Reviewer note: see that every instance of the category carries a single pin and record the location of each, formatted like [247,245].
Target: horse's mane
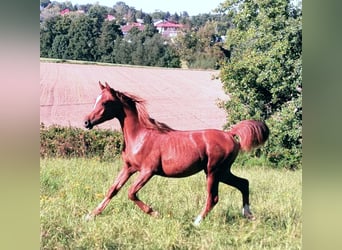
[136,103]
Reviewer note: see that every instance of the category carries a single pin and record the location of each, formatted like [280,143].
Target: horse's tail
[250,133]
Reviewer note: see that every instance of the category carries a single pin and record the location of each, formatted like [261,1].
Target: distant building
[167,28]
[126,28]
[110,17]
[139,20]
[65,11]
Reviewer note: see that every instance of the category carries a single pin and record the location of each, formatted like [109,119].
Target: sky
[193,7]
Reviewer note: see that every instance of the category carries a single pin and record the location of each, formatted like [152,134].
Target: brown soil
[183,99]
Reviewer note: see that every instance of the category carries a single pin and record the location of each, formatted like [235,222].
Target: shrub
[264,74]
[58,141]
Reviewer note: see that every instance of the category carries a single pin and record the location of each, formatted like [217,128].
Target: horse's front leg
[122,178]
[141,180]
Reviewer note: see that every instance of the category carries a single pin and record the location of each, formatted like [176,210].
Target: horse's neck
[130,126]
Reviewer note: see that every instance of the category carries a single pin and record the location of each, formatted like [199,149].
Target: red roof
[167,24]
[110,17]
[65,11]
[126,28]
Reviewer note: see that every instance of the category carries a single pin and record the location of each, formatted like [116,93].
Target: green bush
[202,61]
[58,141]
[264,74]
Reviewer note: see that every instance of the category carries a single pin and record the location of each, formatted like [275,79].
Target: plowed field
[183,99]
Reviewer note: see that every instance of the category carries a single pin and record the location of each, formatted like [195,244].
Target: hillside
[183,99]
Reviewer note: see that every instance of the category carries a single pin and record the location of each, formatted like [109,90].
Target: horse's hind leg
[141,180]
[212,198]
[114,189]
[242,185]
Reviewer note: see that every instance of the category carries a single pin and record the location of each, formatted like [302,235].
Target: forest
[96,33]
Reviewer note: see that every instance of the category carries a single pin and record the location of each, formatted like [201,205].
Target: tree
[110,32]
[148,20]
[65,5]
[98,13]
[150,30]
[122,51]
[44,3]
[47,36]
[196,47]
[263,77]
[82,40]
[120,10]
[187,44]
[59,47]
[156,51]
[174,18]
[170,57]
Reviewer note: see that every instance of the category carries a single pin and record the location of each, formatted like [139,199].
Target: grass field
[71,188]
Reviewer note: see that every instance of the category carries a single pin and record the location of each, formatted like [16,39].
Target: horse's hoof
[154,214]
[250,217]
[198,221]
[89,217]
[246,212]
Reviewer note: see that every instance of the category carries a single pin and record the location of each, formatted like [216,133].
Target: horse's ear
[107,86]
[101,86]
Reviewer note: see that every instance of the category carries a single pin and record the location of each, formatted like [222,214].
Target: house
[126,28]
[65,11]
[110,17]
[167,28]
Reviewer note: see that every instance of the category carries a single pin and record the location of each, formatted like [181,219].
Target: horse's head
[106,107]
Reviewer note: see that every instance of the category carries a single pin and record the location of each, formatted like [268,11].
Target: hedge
[59,141]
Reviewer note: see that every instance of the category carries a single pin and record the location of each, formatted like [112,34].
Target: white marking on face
[97,100]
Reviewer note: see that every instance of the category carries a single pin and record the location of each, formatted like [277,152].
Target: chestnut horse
[153,148]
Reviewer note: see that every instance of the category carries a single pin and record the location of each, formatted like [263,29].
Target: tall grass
[70,188]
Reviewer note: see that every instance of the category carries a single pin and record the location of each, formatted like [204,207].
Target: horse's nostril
[86,123]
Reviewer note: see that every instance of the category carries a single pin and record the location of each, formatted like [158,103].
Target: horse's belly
[183,154]
[182,166]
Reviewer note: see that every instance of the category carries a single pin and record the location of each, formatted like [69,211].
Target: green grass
[72,188]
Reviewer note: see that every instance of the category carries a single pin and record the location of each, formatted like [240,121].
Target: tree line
[85,34]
